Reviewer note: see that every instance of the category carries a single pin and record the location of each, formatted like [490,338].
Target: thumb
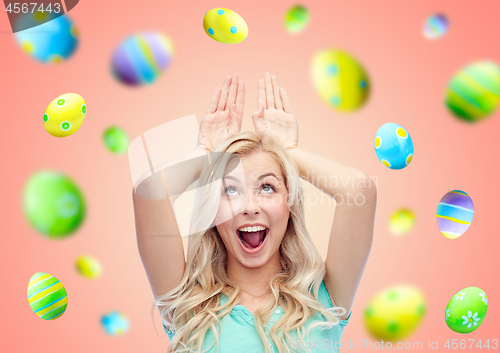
[258,122]
[259,113]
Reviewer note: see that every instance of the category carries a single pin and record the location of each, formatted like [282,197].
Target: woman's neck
[253,280]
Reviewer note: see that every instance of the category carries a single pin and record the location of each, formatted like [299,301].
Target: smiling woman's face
[253,193]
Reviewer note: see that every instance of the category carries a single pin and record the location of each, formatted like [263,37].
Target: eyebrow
[259,178]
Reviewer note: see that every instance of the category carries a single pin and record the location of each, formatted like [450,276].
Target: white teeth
[252,229]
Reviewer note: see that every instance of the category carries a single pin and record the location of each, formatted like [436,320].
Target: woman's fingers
[269,91]
[261,94]
[212,107]
[235,119]
[240,99]
[287,107]
[223,95]
[231,98]
[276,92]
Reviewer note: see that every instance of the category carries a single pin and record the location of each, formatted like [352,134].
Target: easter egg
[47,296]
[116,139]
[435,26]
[53,204]
[296,19]
[49,42]
[225,26]
[393,146]
[64,115]
[454,213]
[340,80]
[140,59]
[474,92]
[115,323]
[466,310]
[88,267]
[395,313]
[402,221]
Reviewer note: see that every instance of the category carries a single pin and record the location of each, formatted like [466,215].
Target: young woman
[253,280]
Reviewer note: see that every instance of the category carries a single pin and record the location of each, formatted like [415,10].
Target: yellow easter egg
[395,313]
[225,26]
[402,221]
[88,267]
[64,115]
[340,80]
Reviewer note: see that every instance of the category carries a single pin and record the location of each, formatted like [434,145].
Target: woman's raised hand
[223,117]
[275,115]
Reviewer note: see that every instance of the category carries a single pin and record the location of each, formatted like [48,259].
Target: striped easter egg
[454,214]
[47,296]
[436,26]
[141,58]
[474,92]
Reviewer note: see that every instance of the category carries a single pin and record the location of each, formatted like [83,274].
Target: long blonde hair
[195,301]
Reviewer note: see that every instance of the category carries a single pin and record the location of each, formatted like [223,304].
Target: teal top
[240,335]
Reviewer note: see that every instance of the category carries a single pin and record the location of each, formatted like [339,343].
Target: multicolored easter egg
[395,313]
[436,26]
[340,80]
[64,115]
[53,204]
[225,26]
[402,221]
[47,296]
[454,213]
[296,19]
[88,267]
[141,58]
[393,146]
[50,42]
[474,92]
[115,323]
[116,139]
[466,310]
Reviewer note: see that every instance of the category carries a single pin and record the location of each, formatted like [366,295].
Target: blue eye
[229,188]
[269,187]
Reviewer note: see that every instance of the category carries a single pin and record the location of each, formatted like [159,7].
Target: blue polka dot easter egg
[225,26]
[393,146]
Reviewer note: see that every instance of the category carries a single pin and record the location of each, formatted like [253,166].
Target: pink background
[409,76]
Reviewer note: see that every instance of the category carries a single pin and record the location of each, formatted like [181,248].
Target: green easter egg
[296,19]
[474,92]
[47,296]
[116,140]
[53,204]
[466,310]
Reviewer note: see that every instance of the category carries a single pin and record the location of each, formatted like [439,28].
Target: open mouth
[252,240]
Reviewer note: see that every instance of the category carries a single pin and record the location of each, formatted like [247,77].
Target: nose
[253,205]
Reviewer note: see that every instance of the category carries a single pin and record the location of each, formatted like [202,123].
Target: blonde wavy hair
[193,306]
